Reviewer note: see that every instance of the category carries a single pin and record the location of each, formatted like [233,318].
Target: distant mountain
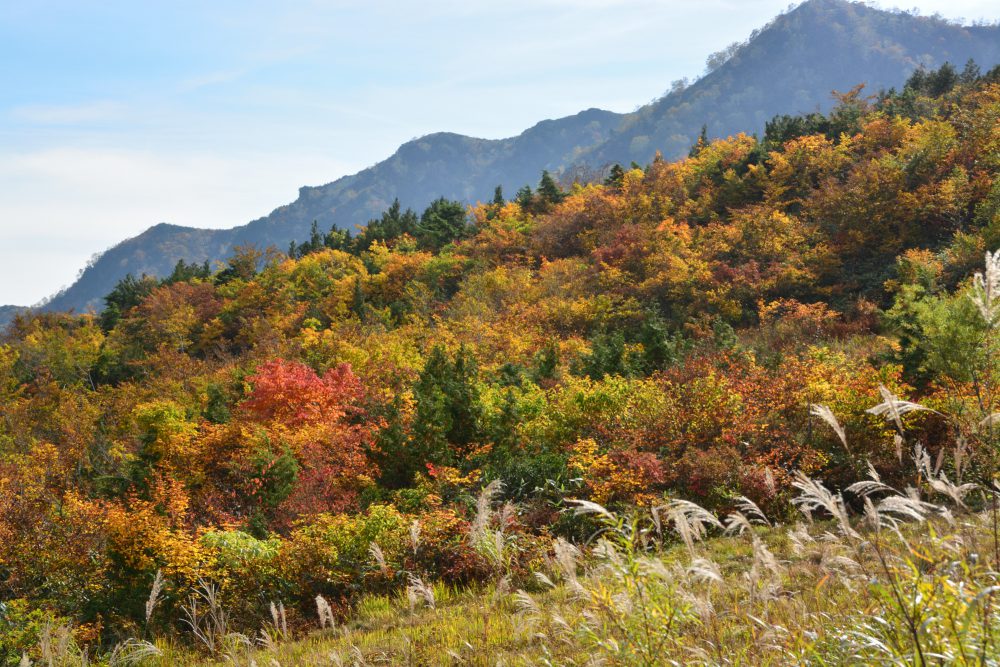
[790,66]
[443,164]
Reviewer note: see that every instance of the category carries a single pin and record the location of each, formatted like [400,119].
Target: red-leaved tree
[321,421]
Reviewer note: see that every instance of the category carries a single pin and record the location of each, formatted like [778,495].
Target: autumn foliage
[659,335]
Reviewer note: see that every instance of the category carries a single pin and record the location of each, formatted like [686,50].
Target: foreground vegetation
[911,581]
[410,434]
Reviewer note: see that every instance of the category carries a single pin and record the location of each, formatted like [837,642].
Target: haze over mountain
[790,66]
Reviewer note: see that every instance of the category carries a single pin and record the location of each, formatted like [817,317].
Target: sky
[118,115]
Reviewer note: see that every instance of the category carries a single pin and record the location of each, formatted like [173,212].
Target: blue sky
[115,116]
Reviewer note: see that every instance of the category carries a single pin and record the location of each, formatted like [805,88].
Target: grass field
[910,582]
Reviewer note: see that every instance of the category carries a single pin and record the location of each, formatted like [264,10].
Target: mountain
[442,164]
[789,66]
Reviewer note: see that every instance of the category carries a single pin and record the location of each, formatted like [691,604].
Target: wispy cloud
[69,114]
[208,79]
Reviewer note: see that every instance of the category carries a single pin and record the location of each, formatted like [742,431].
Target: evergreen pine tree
[315,237]
[127,293]
[661,347]
[524,198]
[338,239]
[548,190]
[448,410]
[442,222]
[971,73]
[546,362]
[615,177]
[358,298]
[702,142]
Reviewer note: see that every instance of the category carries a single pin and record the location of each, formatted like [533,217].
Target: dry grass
[908,582]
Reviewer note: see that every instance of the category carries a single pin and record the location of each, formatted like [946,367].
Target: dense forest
[322,420]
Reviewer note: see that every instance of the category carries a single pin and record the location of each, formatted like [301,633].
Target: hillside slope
[398,419]
[786,67]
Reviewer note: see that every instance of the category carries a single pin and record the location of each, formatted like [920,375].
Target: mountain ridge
[351,199]
[756,82]
[861,59]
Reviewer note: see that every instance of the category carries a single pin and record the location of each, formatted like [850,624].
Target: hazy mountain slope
[7,314]
[442,164]
[154,252]
[791,66]
[788,67]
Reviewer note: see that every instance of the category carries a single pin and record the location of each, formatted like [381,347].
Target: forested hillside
[320,422]
[788,67]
